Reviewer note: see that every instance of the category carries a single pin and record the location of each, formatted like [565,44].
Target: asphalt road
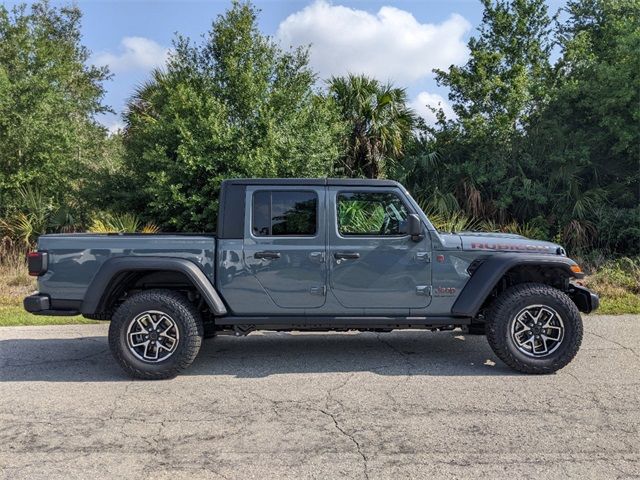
[328,406]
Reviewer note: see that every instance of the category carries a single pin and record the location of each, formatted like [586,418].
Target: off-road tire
[186,318]
[209,329]
[503,311]
[476,329]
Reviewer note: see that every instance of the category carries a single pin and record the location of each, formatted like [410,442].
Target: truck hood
[501,242]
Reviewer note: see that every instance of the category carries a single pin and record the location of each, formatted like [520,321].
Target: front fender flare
[103,282]
[487,276]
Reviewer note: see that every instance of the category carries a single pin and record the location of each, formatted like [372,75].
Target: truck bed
[74,259]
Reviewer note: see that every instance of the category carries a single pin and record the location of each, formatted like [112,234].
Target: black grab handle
[346,255]
[267,254]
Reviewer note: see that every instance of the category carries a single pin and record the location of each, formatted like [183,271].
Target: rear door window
[284,213]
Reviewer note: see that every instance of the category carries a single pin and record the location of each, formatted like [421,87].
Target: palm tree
[379,123]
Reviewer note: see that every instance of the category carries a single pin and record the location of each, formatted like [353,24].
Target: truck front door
[374,263]
[284,244]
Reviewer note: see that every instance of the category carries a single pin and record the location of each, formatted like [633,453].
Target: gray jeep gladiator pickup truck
[313,254]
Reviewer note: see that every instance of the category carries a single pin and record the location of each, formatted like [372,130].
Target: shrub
[14,281]
[618,284]
[533,229]
[120,223]
[618,230]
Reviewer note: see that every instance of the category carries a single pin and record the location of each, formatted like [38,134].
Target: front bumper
[585,299]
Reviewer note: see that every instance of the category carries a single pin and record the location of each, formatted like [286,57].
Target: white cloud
[114,127]
[419,104]
[390,45]
[135,53]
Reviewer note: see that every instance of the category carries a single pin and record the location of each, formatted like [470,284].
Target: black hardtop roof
[354,182]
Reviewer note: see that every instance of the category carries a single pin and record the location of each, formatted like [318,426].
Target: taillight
[37,263]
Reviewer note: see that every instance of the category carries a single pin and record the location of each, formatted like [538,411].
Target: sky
[400,41]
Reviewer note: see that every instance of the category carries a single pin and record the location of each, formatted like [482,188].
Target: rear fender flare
[104,281]
[487,276]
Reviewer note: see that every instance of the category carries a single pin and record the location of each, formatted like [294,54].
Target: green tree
[556,146]
[379,124]
[49,98]
[495,96]
[589,134]
[234,106]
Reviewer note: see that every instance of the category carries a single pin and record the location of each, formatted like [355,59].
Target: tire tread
[497,319]
[189,317]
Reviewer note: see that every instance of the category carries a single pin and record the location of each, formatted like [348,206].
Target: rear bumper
[585,299]
[41,304]
[36,303]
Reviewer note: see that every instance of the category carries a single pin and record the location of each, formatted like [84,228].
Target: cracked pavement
[407,404]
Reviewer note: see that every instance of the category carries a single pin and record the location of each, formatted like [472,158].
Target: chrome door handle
[317,256]
[267,254]
[423,257]
[346,255]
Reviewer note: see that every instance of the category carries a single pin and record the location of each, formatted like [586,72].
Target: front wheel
[534,328]
[155,334]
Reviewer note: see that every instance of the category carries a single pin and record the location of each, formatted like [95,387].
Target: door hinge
[423,257]
[423,290]
[318,290]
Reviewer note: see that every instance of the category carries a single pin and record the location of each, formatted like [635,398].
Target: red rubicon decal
[511,246]
[445,291]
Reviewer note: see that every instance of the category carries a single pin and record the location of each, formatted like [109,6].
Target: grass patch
[20,280]
[11,316]
[618,284]
[618,305]
[15,284]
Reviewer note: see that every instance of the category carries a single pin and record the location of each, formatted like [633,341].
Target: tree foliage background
[49,99]
[235,105]
[545,140]
[552,147]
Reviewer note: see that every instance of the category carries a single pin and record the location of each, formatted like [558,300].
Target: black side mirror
[415,227]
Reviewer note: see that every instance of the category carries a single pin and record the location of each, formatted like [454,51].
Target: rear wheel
[155,334]
[534,328]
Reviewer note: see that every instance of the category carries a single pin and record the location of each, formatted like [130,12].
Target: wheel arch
[116,270]
[514,268]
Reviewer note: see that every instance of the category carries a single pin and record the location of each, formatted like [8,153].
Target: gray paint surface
[392,276]
[405,405]
[74,259]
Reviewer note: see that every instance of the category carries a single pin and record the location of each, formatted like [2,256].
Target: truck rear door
[285,243]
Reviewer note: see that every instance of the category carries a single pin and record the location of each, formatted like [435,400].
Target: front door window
[370,213]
